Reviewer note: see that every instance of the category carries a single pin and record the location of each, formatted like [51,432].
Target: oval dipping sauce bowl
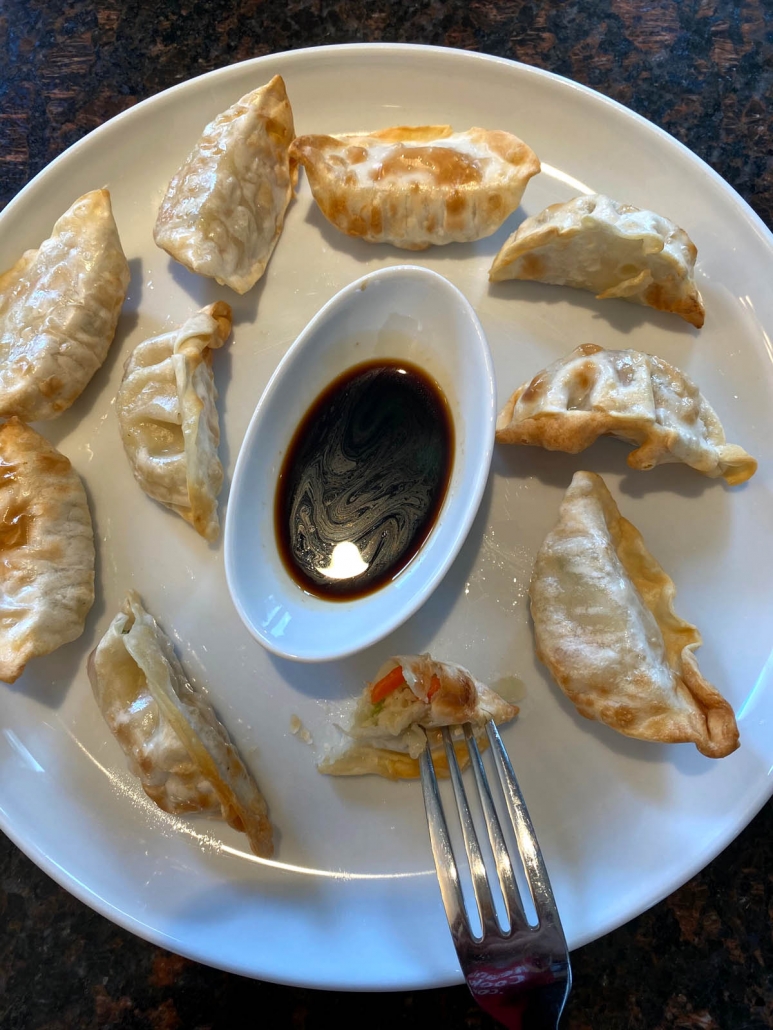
[405,313]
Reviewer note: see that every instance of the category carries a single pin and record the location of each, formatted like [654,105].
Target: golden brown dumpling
[410,700]
[413,186]
[46,549]
[637,397]
[224,209]
[605,626]
[613,249]
[168,418]
[169,732]
[59,306]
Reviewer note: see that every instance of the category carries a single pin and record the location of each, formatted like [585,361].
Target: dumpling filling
[411,699]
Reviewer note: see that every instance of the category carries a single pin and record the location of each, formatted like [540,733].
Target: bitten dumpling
[605,626]
[637,397]
[169,732]
[413,186]
[59,307]
[615,250]
[168,418]
[46,549]
[410,695]
[224,209]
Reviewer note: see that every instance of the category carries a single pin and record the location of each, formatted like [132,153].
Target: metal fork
[519,975]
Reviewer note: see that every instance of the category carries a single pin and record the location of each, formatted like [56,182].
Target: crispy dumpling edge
[680,638]
[555,433]
[24,435]
[201,514]
[541,234]
[330,195]
[40,405]
[276,92]
[252,819]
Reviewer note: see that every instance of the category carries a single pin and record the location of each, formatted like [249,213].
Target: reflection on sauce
[7,471]
[363,479]
[345,562]
[446,167]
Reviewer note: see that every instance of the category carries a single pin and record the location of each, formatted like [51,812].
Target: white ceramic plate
[351,900]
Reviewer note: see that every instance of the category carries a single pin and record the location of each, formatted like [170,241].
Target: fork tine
[531,856]
[445,863]
[520,976]
[480,884]
[504,866]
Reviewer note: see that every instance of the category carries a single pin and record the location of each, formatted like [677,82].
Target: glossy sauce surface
[364,479]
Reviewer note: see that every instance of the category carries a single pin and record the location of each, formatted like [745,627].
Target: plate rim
[472,55]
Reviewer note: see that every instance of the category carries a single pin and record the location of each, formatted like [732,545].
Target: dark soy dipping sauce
[364,479]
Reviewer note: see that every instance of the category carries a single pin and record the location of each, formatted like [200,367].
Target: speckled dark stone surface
[703,70]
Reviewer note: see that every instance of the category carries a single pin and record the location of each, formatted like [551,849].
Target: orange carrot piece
[387,685]
[434,687]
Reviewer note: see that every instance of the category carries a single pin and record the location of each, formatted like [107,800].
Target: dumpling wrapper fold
[224,209]
[605,626]
[46,549]
[387,738]
[59,307]
[168,417]
[413,186]
[637,397]
[169,732]
[612,249]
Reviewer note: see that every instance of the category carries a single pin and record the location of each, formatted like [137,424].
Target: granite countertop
[701,69]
